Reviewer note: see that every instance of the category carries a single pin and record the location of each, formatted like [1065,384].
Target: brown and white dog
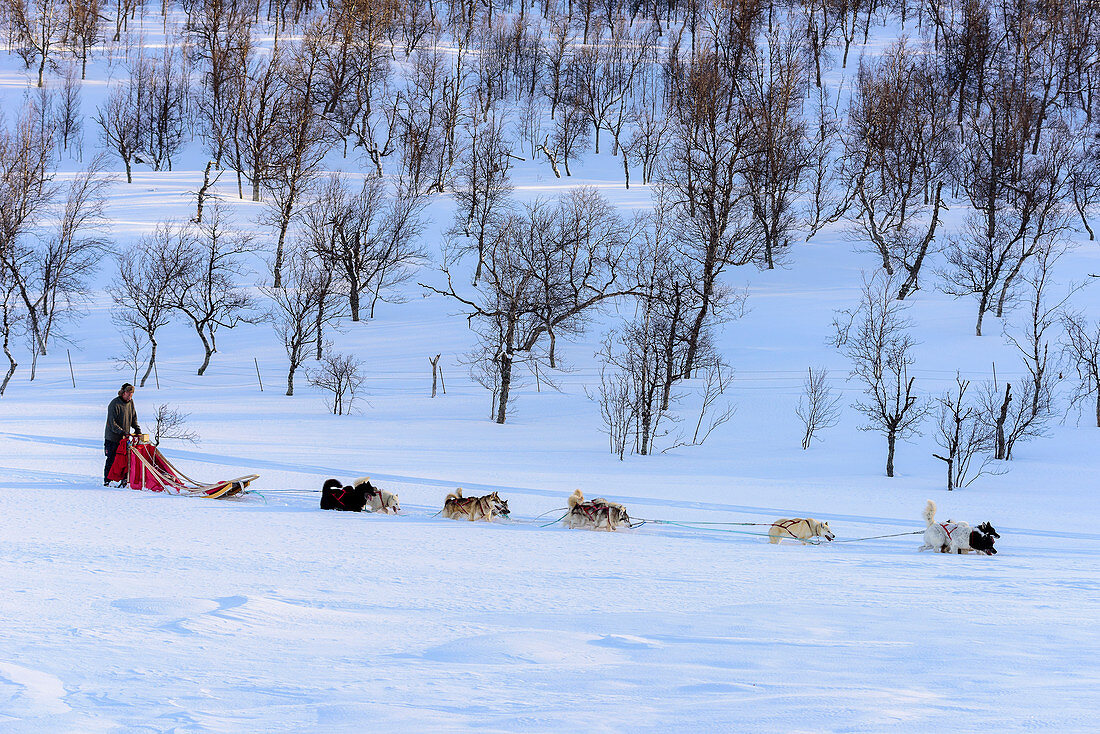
[956,537]
[378,500]
[599,514]
[486,507]
[801,529]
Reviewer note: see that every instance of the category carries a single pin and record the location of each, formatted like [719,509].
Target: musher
[121,418]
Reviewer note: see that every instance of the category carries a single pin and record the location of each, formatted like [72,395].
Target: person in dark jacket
[121,419]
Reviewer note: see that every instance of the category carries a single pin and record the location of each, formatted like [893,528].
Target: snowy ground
[133,612]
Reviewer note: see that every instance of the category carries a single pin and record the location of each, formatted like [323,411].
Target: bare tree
[1020,201]
[295,308]
[26,191]
[123,118]
[818,408]
[66,259]
[647,142]
[70,122]
[618,403]
[302,139]
[168,114]
[482,186]
[778,148]
[897,151]
[130,357]
[1082,347]
[569,139]
[1030,414]
[171,422]
[367,237]
[149,275]
[220,35]
[11,321]
[341,376]
[545,269]
[262,93]
[84,29]
[39,28]
[964,437]
[208,294]
[881,352]
[704,174]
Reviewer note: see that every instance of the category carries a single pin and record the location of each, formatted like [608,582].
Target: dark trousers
[109,448]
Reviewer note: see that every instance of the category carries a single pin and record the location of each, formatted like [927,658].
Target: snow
[129,611]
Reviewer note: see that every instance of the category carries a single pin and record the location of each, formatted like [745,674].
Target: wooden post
[257,363]
[435,371]
[71,373]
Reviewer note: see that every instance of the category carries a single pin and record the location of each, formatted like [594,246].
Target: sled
[142,466]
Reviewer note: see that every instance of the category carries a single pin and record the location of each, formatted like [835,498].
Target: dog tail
[575,499]
[453,496]
[332,484]
[930,512]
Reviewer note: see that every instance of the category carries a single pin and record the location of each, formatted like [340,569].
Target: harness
[785,526]
[948,530]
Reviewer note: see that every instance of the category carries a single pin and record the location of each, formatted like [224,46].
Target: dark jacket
[121,417]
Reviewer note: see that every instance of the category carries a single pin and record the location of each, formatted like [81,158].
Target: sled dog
[337,497]
[457,507]
[378,500]
[800,529]
[598,514]
[956,537]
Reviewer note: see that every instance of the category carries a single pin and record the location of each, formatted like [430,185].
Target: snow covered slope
[127,611]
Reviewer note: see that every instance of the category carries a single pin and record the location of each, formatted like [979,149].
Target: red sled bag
[128,465]
[122,458]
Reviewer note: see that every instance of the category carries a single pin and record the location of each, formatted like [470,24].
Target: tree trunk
[208,351]
[284,224]
[1001,418]
[983,306]
[290,379]
[709,276]
[152,360]
[505,385]
[950,461]
[353,302]
[891,439]
[13,364]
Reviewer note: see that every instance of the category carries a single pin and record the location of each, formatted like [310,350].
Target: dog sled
[142,466]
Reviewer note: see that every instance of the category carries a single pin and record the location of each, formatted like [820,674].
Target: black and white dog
[957,537]
[335,496]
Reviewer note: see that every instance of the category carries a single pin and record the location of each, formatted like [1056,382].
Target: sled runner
[142,466]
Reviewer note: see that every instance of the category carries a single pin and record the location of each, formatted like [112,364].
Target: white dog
[800,529]
[956,537]
[379,500]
